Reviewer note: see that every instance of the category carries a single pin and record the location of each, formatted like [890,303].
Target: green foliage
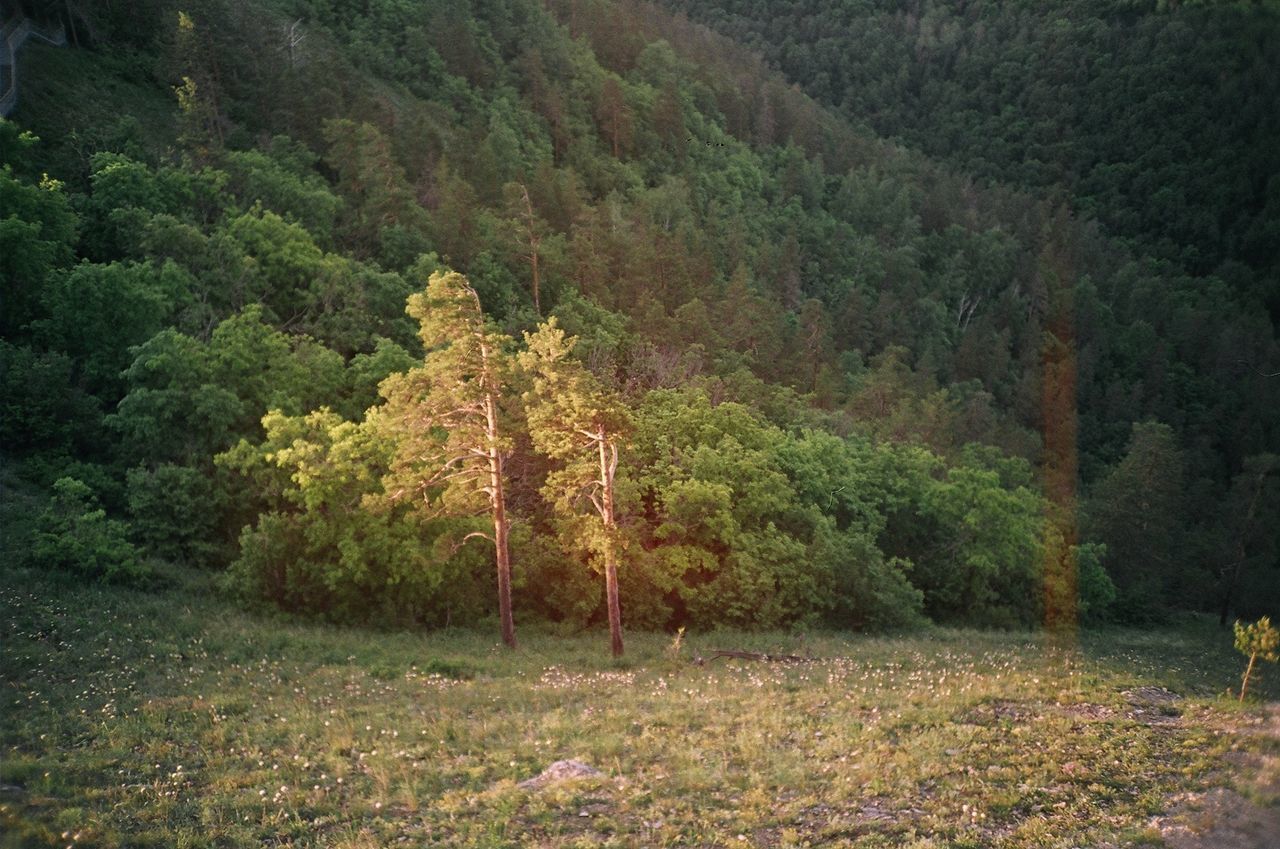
[126,193]
[371,182]
[37,235]
[806,330]
[1259,640]
[187,400]
[1078,95]
[1097,592]
[255,358]
[365,372]
[730,540]
[284,184]
[985,562]
[178,407]
[1137,513]
[582,426]
[74,535]
[174,512]
[43,409]
[96,313]
[316,549]
[16,147]
[442,416]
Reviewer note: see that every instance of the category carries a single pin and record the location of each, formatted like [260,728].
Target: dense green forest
[1157,119]
[668,318]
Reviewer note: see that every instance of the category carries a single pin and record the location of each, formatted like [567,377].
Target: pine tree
[1137,510]
[527,230]
[614,116]
[576,421]
[447,420]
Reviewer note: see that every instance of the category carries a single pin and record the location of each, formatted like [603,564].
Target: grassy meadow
[174,719]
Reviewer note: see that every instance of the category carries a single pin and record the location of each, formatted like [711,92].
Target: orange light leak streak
[1061,461]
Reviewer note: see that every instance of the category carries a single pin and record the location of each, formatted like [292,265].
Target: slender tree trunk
[537,306]
[498,500]
[535,242]
[500,527]
[611,595]
[608,465]
[1244,686]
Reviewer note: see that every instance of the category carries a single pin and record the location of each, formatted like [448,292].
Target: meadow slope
[174,719]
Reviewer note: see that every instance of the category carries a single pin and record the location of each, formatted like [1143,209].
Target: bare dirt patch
[1246,816]
[1087,711]
[1218,819]
[1154,706]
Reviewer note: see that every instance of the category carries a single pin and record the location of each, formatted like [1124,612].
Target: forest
[497,312]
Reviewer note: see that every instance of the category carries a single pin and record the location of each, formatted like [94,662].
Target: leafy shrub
[75,535]
[173,512]
[332,544]
[1097,592]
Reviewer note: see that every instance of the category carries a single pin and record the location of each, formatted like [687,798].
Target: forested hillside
[1157,119]
[844,383]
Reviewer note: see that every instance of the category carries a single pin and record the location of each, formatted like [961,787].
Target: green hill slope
[842,359]
[1158,119]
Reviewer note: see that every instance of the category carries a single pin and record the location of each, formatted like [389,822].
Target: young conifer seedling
[1259,640]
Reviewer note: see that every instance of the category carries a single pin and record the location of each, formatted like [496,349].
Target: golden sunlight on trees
[576,421]
[446,420]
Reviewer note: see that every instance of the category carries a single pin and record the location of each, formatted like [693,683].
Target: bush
[1097,592]
[174,512]
[75,535]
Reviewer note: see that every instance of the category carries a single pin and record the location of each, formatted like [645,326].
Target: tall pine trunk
[537,303]
[611,594]
[498,501]
[608,465]
[502,553]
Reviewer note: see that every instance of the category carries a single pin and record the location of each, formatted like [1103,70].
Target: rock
[561,771]
[1147,696]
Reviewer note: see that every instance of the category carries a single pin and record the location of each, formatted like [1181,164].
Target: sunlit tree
[579,423]
[447,419]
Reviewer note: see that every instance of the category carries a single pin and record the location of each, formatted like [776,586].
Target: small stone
[561,771]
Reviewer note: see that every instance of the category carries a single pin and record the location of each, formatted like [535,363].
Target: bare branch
[461,474]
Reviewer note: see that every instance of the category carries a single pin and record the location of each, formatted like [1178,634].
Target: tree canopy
[817,376]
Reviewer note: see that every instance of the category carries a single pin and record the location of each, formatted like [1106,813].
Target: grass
[172,719]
